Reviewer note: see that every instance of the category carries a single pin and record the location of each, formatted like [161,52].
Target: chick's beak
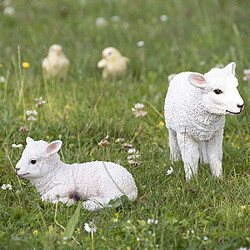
[103,57]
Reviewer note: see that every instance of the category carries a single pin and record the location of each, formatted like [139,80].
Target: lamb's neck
[46,182]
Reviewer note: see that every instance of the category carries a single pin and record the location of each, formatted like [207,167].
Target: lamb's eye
[33,161]
[218,91]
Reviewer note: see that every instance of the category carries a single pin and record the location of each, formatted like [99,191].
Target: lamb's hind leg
[175,154]
[96,203]
[190,154]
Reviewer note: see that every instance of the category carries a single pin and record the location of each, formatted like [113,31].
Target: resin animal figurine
[113,63]
[95,183]
[195,109]
[56,63]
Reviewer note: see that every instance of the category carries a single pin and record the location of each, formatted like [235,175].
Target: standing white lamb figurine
[195,109]
[96,183]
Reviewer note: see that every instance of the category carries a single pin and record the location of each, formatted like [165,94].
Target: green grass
[203,213]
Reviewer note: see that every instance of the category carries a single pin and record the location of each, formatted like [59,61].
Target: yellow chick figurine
[113,63]
[56,63]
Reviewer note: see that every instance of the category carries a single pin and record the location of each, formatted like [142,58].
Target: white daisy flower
[6,186]
[9,11]
[152,221]
[163,18]
[16,145]
[100,22]
[2,79]
[140,44]
[170,171]
[90,227]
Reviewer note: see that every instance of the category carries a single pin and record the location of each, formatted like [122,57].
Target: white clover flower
[115,19]
[152,221]
[134,163]
[247,74]
[40,102]
[139,106]
[120,140]
[9,11]
[202,63]
[170,171]
[31,118]
[100,22]
[6,186]
[2,79]
[171,77]
[246,71]
[90,227]
[16,145]
[133,157]
[127,145]
[219,65]
[140,44]
[140,113]
[163,18]
[137,110]
[132,151]
[31,112]
[205,238]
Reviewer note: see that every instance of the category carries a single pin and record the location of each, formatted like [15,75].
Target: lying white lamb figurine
[195,109]
[96,183]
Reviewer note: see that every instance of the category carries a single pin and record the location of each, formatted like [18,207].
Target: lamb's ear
[29,140]
[230,68]
[198,80]
[53,147]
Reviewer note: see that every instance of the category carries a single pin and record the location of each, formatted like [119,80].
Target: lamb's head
[38,158]
[219,90]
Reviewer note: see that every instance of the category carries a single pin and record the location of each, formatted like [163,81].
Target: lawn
[169,213]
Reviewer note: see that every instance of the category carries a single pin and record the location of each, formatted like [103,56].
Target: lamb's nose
[17,170]
[240,106]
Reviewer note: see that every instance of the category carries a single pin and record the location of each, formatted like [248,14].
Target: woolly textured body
[184,110]
[86,180]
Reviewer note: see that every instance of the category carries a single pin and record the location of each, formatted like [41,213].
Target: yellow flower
[116,214]
[228,136]
[136,133]
[25,65]
[161,124]
[164,164]
[178,188]
[21,117]
[1,65]
[155,143]
[128,248]
[50,228]
[115,220]
[47,137]
[35,232]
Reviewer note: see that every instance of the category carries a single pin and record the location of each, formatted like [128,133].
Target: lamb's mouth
[232,113]
[21,175]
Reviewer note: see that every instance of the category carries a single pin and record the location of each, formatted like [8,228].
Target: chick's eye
[218,91]
[110,53]
[33,161]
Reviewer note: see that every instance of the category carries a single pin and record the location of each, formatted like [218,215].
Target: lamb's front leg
[214,153]
[189,153]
